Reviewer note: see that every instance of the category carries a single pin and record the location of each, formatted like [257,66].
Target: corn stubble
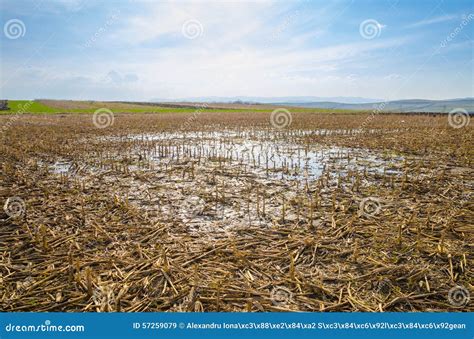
[145,216]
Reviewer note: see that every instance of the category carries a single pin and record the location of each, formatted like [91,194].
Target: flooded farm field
[228,212]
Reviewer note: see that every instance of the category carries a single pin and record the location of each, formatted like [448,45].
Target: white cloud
[253,48]
[221,21]
[238,52]
[392,76]
[431,21]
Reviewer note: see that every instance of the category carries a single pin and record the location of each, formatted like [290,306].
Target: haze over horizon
[140,50]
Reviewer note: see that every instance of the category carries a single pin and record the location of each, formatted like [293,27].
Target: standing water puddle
[215,181]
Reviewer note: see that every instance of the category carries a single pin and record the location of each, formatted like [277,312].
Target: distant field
[26,106]
[69,106]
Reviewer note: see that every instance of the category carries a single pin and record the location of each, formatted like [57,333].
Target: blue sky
[140,50]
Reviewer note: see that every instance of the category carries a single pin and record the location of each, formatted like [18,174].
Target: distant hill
[413,105]
[349,103]
[272,100]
